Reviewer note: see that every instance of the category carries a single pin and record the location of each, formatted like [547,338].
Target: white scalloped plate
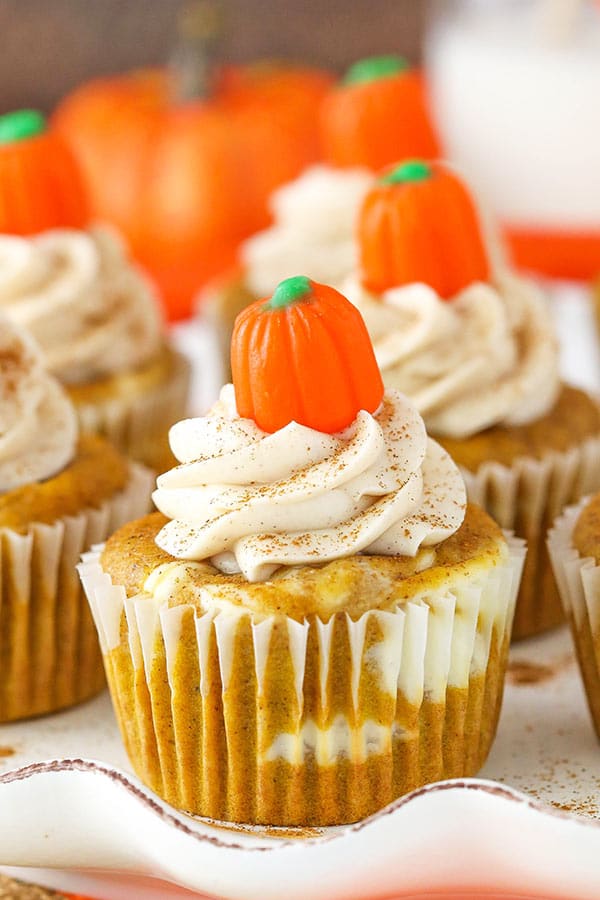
[459,834]
[91,827]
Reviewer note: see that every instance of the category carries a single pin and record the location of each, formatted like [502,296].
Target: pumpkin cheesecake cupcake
[95,315]
[474,348]
[376,114]
[59,494]
[315,622]
[574,545]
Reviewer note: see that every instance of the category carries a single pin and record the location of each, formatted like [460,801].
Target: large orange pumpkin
[303,355]
[418,223]
[376,115]
[186,181]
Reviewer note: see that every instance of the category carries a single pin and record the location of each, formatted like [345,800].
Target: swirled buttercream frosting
[38,426]
[312,232]
[487,357]
[91,311]
[251,502]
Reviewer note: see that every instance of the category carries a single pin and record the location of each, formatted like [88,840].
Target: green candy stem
[409,171]
[21,124]
[375,67]
[289,291]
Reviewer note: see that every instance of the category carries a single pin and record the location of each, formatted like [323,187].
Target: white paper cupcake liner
[49,654]
[578,581]
[138,423]
[216,708]
[525,498]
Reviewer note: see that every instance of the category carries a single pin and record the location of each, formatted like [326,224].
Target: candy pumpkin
[187,179]
[304,356]
[376,115]
[419,224]
[41,186]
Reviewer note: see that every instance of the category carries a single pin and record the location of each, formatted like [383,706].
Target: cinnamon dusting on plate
[523,673]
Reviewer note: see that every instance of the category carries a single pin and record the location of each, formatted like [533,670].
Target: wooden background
[49,46]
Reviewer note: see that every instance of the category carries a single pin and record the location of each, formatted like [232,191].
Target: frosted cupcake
[59,494]
[574,545]
[473,346]
[315,623]
[375,115]
[95,315]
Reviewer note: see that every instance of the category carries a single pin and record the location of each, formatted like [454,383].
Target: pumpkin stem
[20,125]
[374,67]
[410,170]
[289,291]
[191,64]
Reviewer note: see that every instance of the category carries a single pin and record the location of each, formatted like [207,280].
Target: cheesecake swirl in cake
[488,356]
[38,427]
[92,312]
[251,502]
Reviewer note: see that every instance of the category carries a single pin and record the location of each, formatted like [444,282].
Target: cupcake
[375,115]
[473,346]
[94,314]
[59,494]
[574,546]
[315,622]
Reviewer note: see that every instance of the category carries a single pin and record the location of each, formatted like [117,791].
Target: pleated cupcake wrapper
[138,424]
[217,708]
[525,498]
[578,580]
[49,653]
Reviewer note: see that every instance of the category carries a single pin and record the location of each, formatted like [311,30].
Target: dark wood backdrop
[49,46]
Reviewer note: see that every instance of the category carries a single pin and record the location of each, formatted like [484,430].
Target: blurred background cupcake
[94,313]
[60,493]
[574,545]
[473,345]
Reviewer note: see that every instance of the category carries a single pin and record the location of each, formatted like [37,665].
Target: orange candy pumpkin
[187,180]
[378,114]
[40,183]
[304,355]
[419,224]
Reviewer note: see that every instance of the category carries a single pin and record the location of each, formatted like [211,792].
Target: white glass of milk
[515,87]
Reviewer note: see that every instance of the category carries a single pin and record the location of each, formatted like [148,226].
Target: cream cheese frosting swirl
[313,230]
[38,425]
[251,502]
[92,312]
[487,357]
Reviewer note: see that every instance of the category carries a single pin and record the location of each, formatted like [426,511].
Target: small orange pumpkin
[41,186]
[305,356]
[378,114]
[419,224]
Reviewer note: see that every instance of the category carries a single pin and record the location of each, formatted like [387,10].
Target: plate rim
[184,823]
